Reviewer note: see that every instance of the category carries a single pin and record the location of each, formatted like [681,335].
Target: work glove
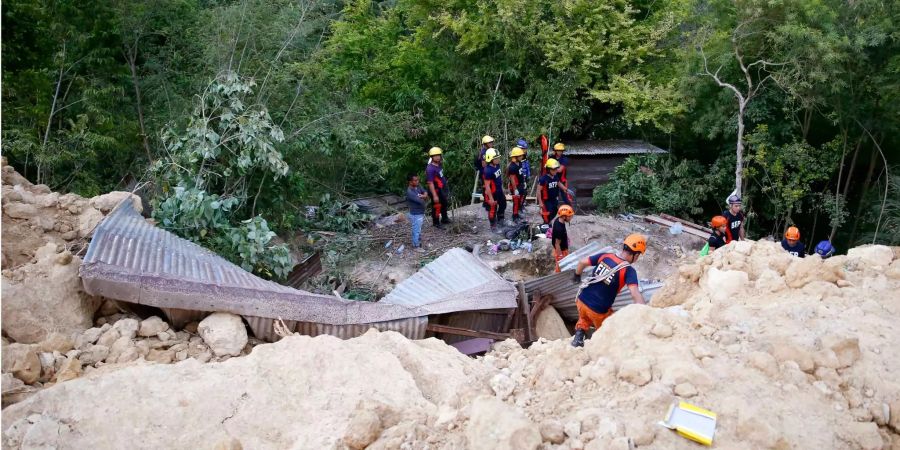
[576,278]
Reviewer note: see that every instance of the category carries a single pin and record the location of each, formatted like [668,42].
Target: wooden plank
[523,304]
[686,223]
[466,332]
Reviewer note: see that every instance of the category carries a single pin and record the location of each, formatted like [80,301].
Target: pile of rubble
[791,353]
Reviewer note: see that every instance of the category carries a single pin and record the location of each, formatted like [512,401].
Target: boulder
[873,255]
[152,326]
[57,342]
[363,429]
[107,202]
[127,327]
[22,361]
[495,425]
[552,431]
[224,333]
[636,371]
[46,296]
[722,285]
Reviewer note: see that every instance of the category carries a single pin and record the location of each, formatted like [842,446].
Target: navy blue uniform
[797,249]
[493,187]
[551,195]
[716,240]
[600,296]
[733,230]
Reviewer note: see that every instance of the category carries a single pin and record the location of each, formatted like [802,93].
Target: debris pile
[790,353]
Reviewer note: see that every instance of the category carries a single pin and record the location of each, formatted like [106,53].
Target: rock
[621,443]
[88,220]
[44,297]
[90,336]
[364,429]
[94,354]
[641,433]
[764,362]
[894,413]
[549,325]
[161,356]
[127,327]
[14,390]
[22,361]
[845,348]
[152,326]
[791,352]
[224,333]
[723,285]
[502,385]
[71,369]
[686,390]
[20,210]
[191,327]
[863,435]
[661,330]
[552,432]
[572,429]
[119,348]
[874,255]
[107,202]
[770,281]
[109,308]
[494,425]
[109,337]
[635,371]
[56,342]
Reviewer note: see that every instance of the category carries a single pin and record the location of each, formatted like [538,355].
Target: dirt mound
[790,353]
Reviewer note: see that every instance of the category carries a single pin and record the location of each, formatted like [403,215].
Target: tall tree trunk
[863,193]
[131,55]
[739,164]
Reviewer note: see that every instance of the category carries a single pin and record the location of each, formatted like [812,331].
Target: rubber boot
[578,340]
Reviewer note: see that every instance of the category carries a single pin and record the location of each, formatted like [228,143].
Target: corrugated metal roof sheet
[130,260]
[611,147]
[592,248]
[457,281]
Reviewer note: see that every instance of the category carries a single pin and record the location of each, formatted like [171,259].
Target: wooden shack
[591,163]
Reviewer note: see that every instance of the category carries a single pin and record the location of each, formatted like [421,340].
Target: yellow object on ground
[691,422]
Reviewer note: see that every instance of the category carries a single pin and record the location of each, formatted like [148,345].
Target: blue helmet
[522,144]
[824,249]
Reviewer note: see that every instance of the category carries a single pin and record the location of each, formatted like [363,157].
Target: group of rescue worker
[729,227]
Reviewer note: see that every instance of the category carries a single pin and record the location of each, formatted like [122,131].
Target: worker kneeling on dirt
[791,242]
[559,235]
[719,236]
[612,272]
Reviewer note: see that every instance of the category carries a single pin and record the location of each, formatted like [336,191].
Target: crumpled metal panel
[412,328]
[457,281]
[592,248]
[564,291]
[130,260]
[611,147]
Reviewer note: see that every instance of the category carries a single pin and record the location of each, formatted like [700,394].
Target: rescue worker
[792,244]
[735,218]
[494,198]
[559,235]
[825,249]
[558,154]
[612,272]
[551,191]
[526,166]
[487,142]
[437,187]
[518,181]
[719,234]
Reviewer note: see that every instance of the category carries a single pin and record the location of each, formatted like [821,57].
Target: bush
[655,182]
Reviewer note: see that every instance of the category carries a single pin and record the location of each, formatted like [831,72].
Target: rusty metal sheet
[130,260]
[304,270]
[456,281]
[611,147]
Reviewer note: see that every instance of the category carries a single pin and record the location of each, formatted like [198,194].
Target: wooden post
[526,310]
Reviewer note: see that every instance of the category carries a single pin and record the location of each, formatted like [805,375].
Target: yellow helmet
[559,146]
[487,140]
[490,155]
[517,151]
[552,164]
[435,151]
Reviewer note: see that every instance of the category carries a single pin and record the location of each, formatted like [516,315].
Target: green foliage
[889,227]
[333,215]
[658,183]
[206,176]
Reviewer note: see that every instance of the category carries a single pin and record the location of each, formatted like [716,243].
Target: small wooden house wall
[585,172]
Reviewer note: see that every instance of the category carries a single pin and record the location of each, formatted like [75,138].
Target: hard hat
[522,143]
[552,164]
[719,221]
[734,199]
[517,151]
[636,243]
[490,155]
[825,249]
[487,140]
[566,211]
[792,233]
[435,151]
[559,146]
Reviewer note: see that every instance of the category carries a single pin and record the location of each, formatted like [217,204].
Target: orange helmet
[719,221]
[636,243]
[792,233]
[566,211]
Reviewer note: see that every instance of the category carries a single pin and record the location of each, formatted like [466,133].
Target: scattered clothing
[797,249]
[733,230]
